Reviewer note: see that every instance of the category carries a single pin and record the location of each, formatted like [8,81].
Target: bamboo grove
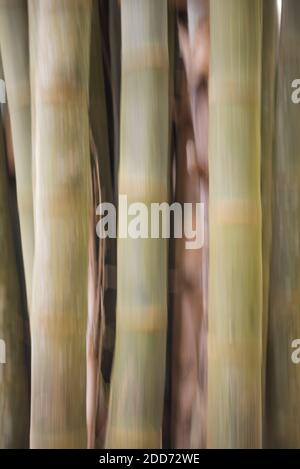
[139,341]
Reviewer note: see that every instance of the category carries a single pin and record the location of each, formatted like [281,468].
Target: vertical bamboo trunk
[99,128]
[33,6]
[115,60]
[14,379]
[62,201]
[269,55]
[101,250]
[198,18]
[172,31]
[137,388]
[194,45]
[15,57]
[283,383]
[188,292]
[235,278]
[98,112]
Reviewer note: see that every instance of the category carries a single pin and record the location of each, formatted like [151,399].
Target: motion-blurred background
[142,343]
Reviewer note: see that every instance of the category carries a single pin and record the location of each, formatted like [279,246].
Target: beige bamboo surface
[62,201]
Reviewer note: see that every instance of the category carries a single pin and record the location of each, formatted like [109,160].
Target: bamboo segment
[15,57]
[188,291]
[269,55]
[62,202]
[235,278]
[115,59]
[137,388]
[14,379]
[33,6]
[283,383]
[99,128]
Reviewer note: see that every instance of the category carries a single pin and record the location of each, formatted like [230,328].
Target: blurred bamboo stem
[137,388]
[14,377]
[115,59]
[62,204]
[235,277]
[269,56]
[15,58]
[102,191]
[33,6]
[197,11]
[283,377]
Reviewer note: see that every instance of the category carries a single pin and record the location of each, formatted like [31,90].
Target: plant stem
[235,277]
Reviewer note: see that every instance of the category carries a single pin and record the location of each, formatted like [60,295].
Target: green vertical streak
[137,388]
[235,277]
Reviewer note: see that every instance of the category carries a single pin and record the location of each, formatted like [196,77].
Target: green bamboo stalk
[283,377]
[15,57]
[115,60]
[14,379]
[62,202]
[235,277]
[137,388]
[269,55]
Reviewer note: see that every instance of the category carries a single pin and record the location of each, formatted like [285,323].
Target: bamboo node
[235,212]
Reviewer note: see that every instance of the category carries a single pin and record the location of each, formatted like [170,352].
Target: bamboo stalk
[99,126]
[194,44]
[269,55]
[115,60]
[96,403]
[188,291]
[14,379]
[283,383]
[235,277]
[62,202]
[98,112]
[198,20]
[137,388]
[33,6]
[15,57]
